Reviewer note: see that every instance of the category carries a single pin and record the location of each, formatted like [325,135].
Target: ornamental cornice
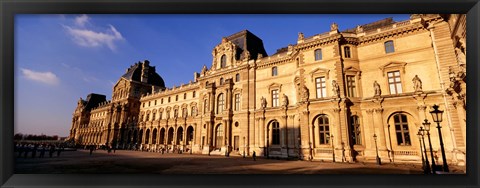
[219,73]
[391,33]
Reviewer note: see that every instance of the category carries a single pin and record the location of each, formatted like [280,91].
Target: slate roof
[135,73]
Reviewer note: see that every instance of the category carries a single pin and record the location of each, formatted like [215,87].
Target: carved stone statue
[247,55]
[264,102]
[305,93]
[259,56]
[377,89]
[285,100]
[204,70]
[460,56]
[334,26]
[359,29]
[335,88]
[300,36]
[417,83]
[452,75]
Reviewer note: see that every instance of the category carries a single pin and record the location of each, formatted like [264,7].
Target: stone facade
[339,95]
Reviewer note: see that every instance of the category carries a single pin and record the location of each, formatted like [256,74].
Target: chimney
[145,67]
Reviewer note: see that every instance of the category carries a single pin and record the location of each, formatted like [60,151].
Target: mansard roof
[134,73]
[246,40]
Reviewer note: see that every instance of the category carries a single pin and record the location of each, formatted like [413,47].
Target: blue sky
[60,58]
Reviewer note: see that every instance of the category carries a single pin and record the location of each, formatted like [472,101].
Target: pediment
[318,72]
[275,86]
[351,69]
[393,65]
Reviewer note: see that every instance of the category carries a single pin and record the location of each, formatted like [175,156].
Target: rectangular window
[389,48]
[274,71]
[318,54]
[346,51]
[394,82]
[351,86]
[193,95]
[274,98]
[153,116]
[237,102]
[148,117]
[321,87]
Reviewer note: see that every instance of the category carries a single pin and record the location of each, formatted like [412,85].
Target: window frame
[351,89]
[223,61]
[320,87]
[395,83]
[275,97]
[318,56]
[275,139]
[220,103]
[347,52]
[237,102]
[323,129]
[275,71]
[389,46]
[402,125]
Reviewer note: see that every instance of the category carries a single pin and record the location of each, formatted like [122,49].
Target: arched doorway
[140,136]
[189,135]
[154,136]
[170,136]
[180,136]
[162,136]
[147,136]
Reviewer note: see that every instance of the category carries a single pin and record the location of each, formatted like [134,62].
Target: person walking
[254,155]
[42,151]
[91,150]
[52,149]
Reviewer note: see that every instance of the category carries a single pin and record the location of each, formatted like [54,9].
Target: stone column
[382,141]
[338,137]
[284,132]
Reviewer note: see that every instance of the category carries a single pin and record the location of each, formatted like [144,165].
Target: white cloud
[44,77]
[88,37]
[81,20]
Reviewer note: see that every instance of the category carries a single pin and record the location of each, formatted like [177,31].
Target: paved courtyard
[122,162]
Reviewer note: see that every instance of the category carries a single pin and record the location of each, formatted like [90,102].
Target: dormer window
[223,61]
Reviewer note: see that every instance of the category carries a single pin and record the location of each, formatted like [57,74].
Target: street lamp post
[426,124]
[379,161]
[427,163]
[424,165]
[437,117]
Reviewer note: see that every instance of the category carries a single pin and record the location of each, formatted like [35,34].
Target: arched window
[153,116]
[274,71]
[275,133]
[184,112]
[389,48]
[355,130]
[219,136]
[401,130]
[223,61]
[323,129]
[346,52]
[318,54]
[220,103]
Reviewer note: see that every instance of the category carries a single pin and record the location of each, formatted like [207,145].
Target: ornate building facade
[345,96]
